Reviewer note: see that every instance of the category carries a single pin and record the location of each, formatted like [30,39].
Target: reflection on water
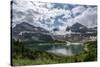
[59,48]
[68,50]
[61,51]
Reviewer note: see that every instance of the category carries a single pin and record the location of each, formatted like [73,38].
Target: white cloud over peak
[88,17]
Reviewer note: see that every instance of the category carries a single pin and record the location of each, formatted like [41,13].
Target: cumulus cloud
[88,17]
[49,16]
[34,12]
[78,10]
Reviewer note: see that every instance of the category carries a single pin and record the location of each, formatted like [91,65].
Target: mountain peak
[28,27]
[77,27]
[78,24]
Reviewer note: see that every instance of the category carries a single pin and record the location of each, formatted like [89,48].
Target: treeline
[22,55]
[53,41]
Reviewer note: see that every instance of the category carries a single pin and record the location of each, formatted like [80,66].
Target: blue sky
[53,15]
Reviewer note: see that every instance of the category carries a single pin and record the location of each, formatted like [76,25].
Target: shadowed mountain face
[27,27]
[27,32]
[78,28]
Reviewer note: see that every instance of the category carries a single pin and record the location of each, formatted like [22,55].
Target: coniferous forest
[23,55]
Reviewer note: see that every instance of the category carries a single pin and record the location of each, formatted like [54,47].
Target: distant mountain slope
[27,27]
[77,27]
[31,33]
[27,32]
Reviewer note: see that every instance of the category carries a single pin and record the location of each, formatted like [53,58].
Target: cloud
[78,10]
[37,13]
[88,17]
[51,15]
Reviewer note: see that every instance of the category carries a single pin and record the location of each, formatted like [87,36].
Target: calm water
[59,48]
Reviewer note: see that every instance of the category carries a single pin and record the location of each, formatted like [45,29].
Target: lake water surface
[59,48]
